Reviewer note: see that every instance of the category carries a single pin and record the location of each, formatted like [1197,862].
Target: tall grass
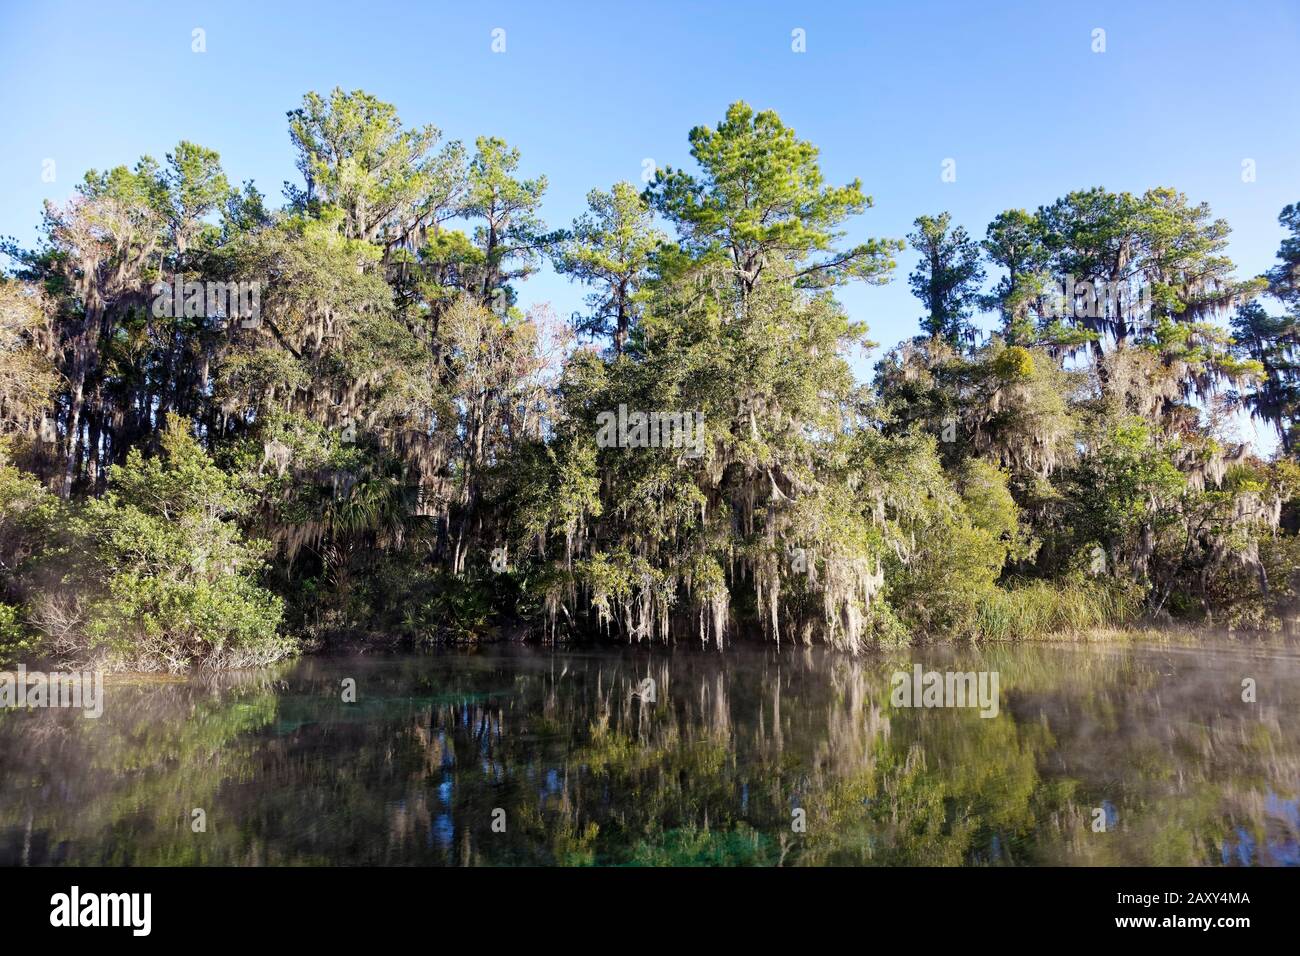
[1037,610]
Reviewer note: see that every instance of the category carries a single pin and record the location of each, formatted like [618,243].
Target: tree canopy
[228,430]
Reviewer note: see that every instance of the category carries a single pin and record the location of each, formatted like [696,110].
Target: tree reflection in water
[590,770]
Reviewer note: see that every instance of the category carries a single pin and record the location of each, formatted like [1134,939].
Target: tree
[1273,342]
[27,374]
[740,344]
[1284,278]
[947,279]
[760,200]
[195,186]
[1093,237]
[100,245]
[610,247]
[354,153]
[424,458]
[508,232]
[1130,261]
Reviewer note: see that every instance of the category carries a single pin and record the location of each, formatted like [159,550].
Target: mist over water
[1099,754]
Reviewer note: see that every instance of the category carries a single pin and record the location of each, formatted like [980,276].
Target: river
[1098,754]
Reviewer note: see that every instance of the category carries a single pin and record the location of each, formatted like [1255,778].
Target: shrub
[959,557]
[176,576]
[16,643]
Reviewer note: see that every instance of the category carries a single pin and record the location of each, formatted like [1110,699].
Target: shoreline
[1180,637]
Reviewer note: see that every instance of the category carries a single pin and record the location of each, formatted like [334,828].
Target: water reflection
[752,757]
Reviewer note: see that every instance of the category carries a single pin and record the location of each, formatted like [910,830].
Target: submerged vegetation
[228,430]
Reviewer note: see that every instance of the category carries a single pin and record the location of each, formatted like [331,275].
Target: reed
[1038,610]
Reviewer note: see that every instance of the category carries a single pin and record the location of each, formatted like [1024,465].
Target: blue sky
[1013,92]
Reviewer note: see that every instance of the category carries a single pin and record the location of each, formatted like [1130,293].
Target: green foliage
[1128,483]
[178,575]
[355,155]
[947,278]
[1014,364]
[452,610]
[29,519]
[17,643]
[760,200]
[509,231]
[27,375]
[345,465]
[1284,278]
[1051,610]
[610,247]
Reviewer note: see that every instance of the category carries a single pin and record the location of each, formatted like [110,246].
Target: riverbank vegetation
[229,430]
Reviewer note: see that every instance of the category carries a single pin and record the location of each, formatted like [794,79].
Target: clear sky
[1013,92]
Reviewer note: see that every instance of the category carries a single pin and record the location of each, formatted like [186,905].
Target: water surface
[1099,755]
